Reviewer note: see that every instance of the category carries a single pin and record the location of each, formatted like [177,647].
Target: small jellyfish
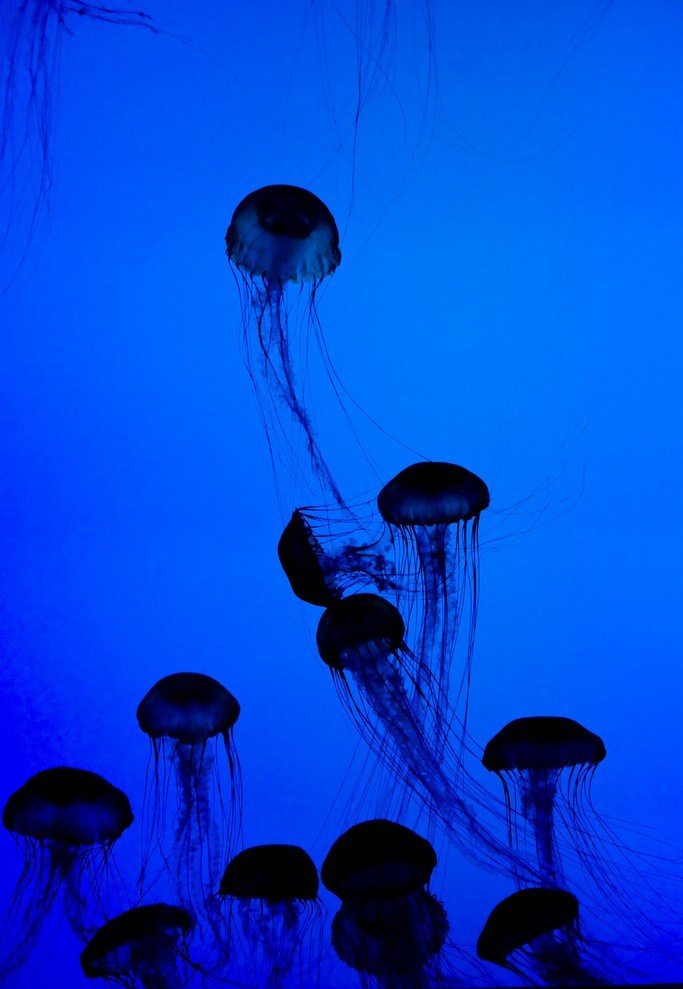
[390,928]
[433,510]
[312,575]
[65,822]
[142,946]
[189,717]
[546,765]
[535,931]
[273,889]
[282,242]
[328,552]
[361,639]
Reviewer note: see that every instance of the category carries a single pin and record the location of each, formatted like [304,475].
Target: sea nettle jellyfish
[274,915]
[546,765]
[329,552]
[535,932]
[282,242]
[189,718]
[145,946]
[390,928]
[379,682]
[65,822]
[433,510]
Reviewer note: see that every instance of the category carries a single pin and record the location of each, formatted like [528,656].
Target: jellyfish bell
[377,859]
[282,233]
[72,806]
[433,493]
[189,718]
[433,511]
[190,708]
[66,822]
[273,890]
[543,743]
[140,946]
[273,872]
[357,627]
[283,238]
[388,926]
[523,917]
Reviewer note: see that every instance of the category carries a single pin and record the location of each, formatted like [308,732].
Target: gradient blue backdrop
[509,299]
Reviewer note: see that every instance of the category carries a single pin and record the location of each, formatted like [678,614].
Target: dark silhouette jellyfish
[31,36]
[273,890]
[311,573]
[433,512]
[379,682]
[65,822]
[352,558]
[281,236]
[547,765]
[390,929]
[141,947]
[189,717]
[534,757]
[535,931]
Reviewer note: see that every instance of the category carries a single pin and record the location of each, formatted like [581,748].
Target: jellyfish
[546,765]
[433,510]
[31,36]
[311,573]
[66,822]
[361,640]
[533,758]
[535,931]
[141,946]
[328,552]
[282,242]
[273,890]
[189,717]
[390,928]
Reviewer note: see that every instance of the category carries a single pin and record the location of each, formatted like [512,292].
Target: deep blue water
[508,299]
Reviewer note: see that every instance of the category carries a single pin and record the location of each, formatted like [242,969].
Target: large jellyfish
[534,757]
[273,890]
[31,32]
[189,717]
[142,946]
[390,928]
[379,682]
[535,931]
[282,242]
[433,511]
[65,821]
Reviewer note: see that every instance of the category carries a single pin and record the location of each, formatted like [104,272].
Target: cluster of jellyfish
[396,583]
